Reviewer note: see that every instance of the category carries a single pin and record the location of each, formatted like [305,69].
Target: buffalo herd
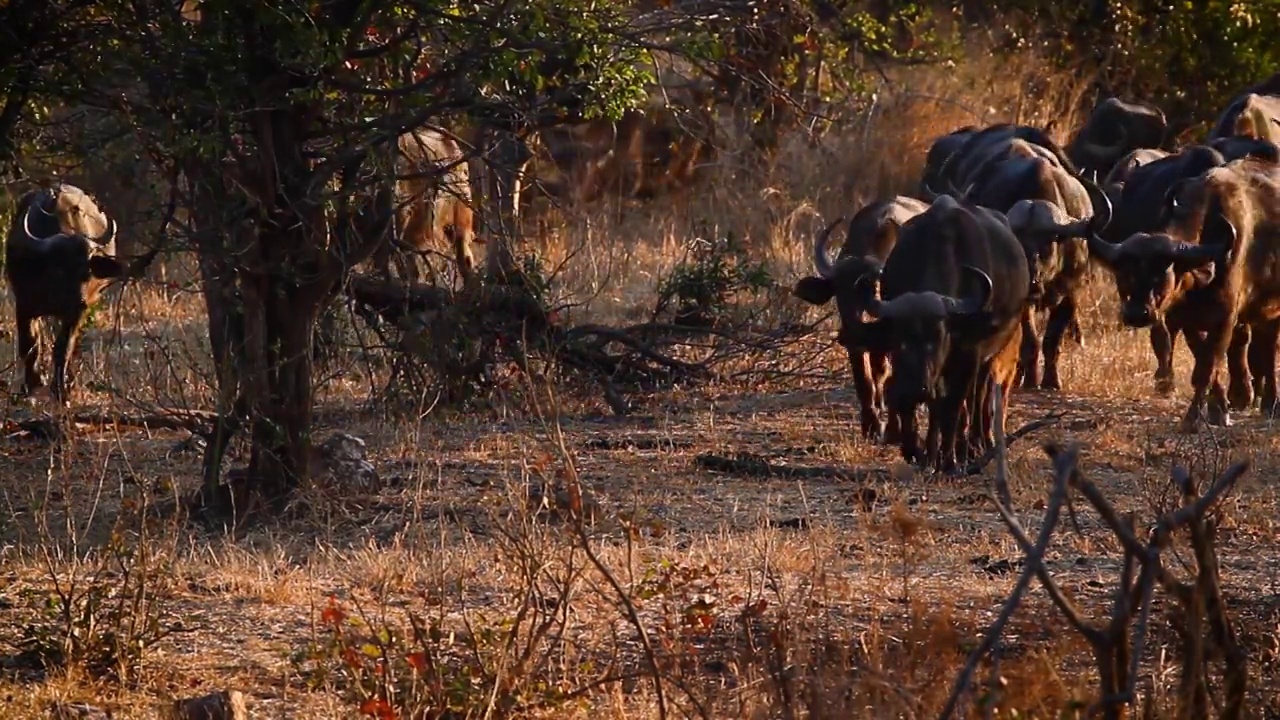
[973,284]
[939,296]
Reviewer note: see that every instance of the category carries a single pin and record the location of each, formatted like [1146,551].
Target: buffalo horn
[1108,252]
[1102,208]
[26,222]
[1101,151]
[821,261]
[1194,252]
[969,306]
[107,235]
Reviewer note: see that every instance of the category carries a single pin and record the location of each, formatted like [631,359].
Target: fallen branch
[46,426]
[756,466]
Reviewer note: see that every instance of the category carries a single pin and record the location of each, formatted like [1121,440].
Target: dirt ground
[871,554]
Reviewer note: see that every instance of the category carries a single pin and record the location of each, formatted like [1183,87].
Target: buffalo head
[73,208]
[839,279]
[918,330]
[1042,227]
[1149,267]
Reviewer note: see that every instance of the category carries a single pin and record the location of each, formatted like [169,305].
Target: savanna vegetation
[616,473]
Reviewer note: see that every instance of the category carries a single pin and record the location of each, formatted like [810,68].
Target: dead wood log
[49,428]
[752,465]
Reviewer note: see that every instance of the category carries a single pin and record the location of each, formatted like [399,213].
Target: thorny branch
[1119,641]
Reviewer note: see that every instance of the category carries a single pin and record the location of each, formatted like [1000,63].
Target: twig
[976,466]
[1064,464]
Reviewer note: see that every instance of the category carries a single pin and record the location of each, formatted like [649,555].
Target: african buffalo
[1114,181]
[1140,208]
[1115,129]
[1235,147]
[1253,113]
[432,204]
[644,154]
[987,145]
[59,255]
[1053,229]
[873,233]
[951,295]
[1211,265]
[939,154]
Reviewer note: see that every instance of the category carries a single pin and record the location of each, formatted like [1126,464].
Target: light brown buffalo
[645,154]
[433,205]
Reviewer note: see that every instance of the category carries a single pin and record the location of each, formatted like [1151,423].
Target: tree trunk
[505,158]
[282,403]
[215,224]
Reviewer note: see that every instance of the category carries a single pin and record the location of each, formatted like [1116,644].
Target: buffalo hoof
[873,431]
[1268,404]
[1164,386]
[892,434]
[1218,416]
[1190,423]
[1240,395]
[1051,383]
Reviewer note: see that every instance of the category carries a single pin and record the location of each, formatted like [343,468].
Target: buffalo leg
[960,383]
[879,377]
[1061,317]
[1240,387]
[1029,358]
[1261,359]
[1073,330]
[1163,335]
[862,387]
[979,413]
[932,436]
[64,346]
[1262,362]
[29,351]
[1206,383]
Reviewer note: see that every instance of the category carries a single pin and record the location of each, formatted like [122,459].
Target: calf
[1211,266]
[59,255]
[873,233]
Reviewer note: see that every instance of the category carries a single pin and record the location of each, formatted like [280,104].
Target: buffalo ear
[1202,272]
[101,266]
[814,290]
[869,336]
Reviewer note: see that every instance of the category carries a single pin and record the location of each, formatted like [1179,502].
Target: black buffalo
[873,233]
[1141,207]
[1210,266]
[951,296]
[1115,129]
[59,255]
[980,147]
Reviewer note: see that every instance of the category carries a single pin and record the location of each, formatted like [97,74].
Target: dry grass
[758,595]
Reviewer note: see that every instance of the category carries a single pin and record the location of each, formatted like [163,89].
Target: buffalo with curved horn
[873,233]
[1209,270]
[951,296]
[59,255]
